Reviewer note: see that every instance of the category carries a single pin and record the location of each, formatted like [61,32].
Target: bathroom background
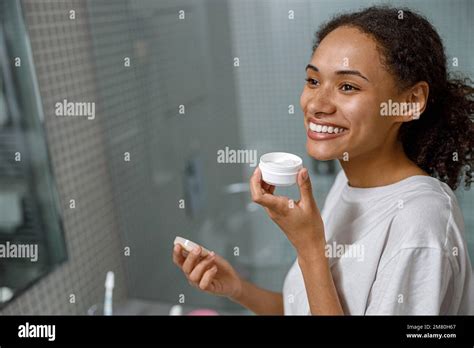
[133,205]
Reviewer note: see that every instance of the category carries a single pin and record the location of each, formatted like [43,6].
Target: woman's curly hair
[441,140]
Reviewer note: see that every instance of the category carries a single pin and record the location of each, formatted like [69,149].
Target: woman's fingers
[178,257]
[205,283]
[267,187]
[304,184]
[198,271]
[259,195]
[255,181]
[191,260]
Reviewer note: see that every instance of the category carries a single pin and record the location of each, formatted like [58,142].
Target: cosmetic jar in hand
[280,168]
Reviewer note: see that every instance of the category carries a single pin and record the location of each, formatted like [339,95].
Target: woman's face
[346,88]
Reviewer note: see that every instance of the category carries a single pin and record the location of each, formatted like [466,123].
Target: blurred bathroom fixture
[5,294]
[176,310]
[324,167]
[11,211]
[194,186]
[109,288]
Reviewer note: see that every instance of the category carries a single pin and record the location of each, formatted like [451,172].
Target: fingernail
[305,174]
[176,247]
[212,253]
[196,251]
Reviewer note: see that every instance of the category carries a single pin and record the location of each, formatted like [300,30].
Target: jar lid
[281,162]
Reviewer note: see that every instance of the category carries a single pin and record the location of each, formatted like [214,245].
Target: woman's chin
[320,153]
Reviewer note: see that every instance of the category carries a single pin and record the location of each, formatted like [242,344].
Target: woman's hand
[303,225]
[211,274]
[300,220]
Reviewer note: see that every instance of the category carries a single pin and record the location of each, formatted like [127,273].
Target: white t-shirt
[395,249]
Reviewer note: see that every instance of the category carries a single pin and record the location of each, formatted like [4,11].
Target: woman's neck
[380,168]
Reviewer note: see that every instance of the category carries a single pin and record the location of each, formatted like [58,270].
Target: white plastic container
[280,168]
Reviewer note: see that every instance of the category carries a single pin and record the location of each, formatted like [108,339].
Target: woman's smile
[319,130]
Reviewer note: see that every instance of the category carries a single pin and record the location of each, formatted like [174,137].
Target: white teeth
[325,129]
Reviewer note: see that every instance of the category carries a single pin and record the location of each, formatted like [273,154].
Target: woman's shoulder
[427,197]
[428,215]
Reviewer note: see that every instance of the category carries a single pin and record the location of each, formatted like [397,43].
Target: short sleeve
[414,282]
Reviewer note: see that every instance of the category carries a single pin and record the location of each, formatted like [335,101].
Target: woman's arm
[319,284]
[303,225]
[258,300]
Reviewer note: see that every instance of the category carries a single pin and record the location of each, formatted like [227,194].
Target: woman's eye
[347,88]
[311,82]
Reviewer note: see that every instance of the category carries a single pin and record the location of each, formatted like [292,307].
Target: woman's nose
[321,101]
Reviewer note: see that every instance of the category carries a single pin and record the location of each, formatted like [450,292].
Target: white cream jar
[280,168]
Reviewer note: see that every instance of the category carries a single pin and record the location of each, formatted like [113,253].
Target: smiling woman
[393,202]
[364,60]
[394,195]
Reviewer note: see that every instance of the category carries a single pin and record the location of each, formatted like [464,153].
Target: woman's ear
[417,99]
